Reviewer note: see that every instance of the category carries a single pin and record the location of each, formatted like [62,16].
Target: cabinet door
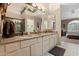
[52,42]
[36,49]
[26,43]
[12,47]
[55,38]
[45,46]
[21,52]
[2,50]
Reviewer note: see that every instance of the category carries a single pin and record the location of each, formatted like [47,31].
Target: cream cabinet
[39,39]
[45,45]
[12,47]
[37,46]
[2,50]
[55,38]
[52,42]
[36,49]
[21,52]
[25,43]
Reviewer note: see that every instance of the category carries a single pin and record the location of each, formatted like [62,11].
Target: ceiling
[65,4]
[69,10]
[69,6]
[16,8]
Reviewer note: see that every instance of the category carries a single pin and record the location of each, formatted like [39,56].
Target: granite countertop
[21,38]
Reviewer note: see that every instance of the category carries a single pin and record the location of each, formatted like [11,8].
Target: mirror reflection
[17,25]
[28,19]
[30,25]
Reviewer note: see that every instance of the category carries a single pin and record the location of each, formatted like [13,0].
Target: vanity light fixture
[39,7]
[35,7]
[9,4]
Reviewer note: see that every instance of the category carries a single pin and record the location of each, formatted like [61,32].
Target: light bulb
[43,9]
[39,7]
[34,4]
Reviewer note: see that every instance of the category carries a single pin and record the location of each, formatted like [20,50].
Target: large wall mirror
[45,24]
[49,23]
[18,24]
[30,25]
[12,27]
[52,22]
[33,24]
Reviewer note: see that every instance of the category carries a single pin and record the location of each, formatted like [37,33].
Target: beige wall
[14,15]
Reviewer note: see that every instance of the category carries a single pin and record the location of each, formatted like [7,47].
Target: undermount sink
[32,35]
[29,35]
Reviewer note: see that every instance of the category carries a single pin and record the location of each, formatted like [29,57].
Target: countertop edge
[3,40]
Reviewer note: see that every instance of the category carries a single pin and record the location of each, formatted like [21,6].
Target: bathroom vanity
[28,45]
[36,44]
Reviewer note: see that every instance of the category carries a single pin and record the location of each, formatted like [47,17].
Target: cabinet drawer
[40,39]
[51,36]
[45,47]
[29,42]
[12,47]
[46,42]
[33,41]
[48,37]
[1,50]
[21,52]
[25,43]
[45,38]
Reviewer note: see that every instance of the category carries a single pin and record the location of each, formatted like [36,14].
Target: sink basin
[30,35]
[27,36]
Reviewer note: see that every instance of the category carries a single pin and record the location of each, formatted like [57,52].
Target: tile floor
[72,49]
